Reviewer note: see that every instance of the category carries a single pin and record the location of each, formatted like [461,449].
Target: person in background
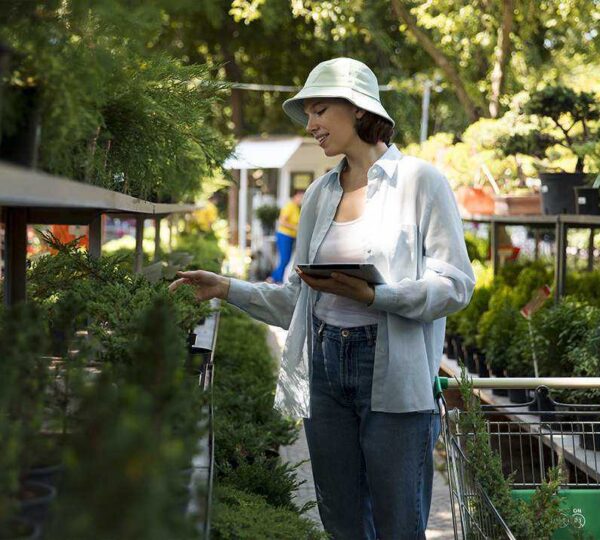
[287,229]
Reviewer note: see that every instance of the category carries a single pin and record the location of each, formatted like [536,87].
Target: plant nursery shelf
[572,220]
[587,461]
[51,197]
[28,196]
[561,223]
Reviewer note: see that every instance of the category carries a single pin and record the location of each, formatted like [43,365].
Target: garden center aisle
[440,518]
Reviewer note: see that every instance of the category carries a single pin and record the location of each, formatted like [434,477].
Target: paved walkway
[440,517]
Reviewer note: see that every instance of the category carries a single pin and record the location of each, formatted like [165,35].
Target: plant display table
[561,223]
[29,196]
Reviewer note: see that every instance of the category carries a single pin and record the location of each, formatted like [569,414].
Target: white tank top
[343,244]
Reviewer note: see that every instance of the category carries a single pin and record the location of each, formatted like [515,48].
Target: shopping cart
[529,441]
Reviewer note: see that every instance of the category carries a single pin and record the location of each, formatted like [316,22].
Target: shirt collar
[388,163]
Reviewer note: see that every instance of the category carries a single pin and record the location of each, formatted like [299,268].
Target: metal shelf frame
[560,223]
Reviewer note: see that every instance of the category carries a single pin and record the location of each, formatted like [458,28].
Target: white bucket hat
[338,78]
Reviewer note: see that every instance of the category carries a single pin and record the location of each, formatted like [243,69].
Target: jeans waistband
[355,333]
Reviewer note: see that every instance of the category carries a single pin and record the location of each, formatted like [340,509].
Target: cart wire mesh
[528,441]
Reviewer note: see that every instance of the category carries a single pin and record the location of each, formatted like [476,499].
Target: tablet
[365,271]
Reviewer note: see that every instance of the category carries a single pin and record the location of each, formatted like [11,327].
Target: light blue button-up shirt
[414,235]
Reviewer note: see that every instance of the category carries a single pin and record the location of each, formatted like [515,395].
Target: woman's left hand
[342,285]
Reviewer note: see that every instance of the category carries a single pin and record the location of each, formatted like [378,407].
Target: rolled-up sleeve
[267,302]
[446,282]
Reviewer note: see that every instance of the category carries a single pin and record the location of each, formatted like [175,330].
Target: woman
[359,361]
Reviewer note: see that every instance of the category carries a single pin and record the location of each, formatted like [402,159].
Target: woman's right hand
[206,284]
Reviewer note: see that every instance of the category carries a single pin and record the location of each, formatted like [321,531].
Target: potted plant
[538,517]
[585,359]
[559,116]
[518,205]
[495,332]
[267,214]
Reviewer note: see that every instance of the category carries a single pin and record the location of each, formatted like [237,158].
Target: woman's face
[331,121]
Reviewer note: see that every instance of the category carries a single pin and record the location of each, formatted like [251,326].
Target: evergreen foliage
[502,331]
[248,433]
[114,112]
[139,428]
[240,515]
[536,519]
[77,291]
[564,117]
[25,377]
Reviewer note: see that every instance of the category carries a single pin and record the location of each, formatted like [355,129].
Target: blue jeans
[373,471]
[285,244]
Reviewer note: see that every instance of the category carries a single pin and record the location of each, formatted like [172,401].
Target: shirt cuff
[239,292]
[382,299]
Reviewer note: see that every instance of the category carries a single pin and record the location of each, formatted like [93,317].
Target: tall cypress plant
[123,476]
[538,518]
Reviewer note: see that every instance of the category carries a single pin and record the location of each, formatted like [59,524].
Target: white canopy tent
[287,154]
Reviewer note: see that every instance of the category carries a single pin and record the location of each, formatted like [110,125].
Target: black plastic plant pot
[483,369]
[558,195]
[58,342]
[589,439]
[498,374]
[518,395]
[470,361]
[587,200]
[450,349]
[36,499]
[458,348]
[19,529]
[48,474]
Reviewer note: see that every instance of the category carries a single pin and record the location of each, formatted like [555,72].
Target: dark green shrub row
[241,515]
[254,499]
[131,429]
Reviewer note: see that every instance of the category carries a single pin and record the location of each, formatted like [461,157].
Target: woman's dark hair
[372,128]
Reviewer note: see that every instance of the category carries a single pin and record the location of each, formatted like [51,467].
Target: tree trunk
[502,52]
[400,11]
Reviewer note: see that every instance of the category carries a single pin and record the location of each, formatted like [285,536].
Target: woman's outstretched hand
[206,284]
[342,285]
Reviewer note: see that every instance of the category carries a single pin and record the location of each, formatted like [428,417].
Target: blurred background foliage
[155,76]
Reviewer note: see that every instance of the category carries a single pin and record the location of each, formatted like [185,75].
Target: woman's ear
[359,113]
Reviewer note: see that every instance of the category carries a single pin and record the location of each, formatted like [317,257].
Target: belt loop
[320,331]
